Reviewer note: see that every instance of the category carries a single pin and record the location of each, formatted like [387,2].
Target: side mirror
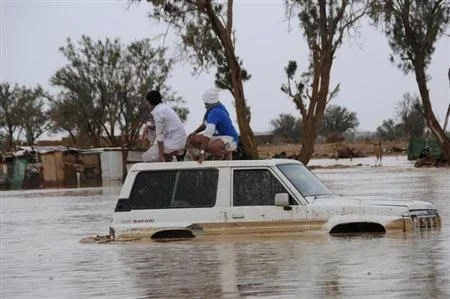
[282,199]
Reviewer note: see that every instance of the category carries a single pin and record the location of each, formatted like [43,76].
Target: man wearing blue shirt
[219,137]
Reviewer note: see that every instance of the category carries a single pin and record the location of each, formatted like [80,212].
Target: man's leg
[225,147]
[228,155]
[195,140]
[216,148]
[194,143]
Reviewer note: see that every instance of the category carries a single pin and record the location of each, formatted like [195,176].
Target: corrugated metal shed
[111,162]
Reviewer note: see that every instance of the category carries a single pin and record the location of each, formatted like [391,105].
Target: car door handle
[237,216]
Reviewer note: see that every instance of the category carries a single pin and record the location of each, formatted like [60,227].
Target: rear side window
[174,189]
[256,187]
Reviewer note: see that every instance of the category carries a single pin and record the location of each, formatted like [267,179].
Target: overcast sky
[33,30]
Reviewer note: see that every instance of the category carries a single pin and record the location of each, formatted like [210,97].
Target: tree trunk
[432,122]
[316,108]
[446,118]
[246,133]
[308,141]
[10,141]
[225,35]
[310,133]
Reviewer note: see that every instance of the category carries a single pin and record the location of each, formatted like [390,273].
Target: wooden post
[380,151]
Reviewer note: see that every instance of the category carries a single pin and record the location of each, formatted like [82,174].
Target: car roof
[211,164]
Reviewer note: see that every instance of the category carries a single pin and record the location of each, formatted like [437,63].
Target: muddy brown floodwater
[41,256]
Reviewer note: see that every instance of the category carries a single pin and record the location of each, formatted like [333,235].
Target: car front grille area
[425,219]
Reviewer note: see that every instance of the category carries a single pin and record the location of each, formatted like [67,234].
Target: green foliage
[288,127]
[337,121]
[182,112]
[412,28]
[104,86]
[198,42]
[291,69]
[223,75]
[200,45]
[388,130]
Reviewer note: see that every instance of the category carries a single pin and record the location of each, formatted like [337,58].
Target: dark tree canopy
[103,89]
[9,112]
[388,130]
[337,121]
[22,113]
[288,127]
[412,28]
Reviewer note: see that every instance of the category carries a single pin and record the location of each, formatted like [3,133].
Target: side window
[195,189]
[175,189]
[152,190]
[256,188]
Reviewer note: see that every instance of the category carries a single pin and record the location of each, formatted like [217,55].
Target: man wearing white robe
[170,133]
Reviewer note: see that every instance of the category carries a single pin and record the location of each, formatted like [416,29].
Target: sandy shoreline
[329,150]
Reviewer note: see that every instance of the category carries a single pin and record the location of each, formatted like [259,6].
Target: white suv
[188,199]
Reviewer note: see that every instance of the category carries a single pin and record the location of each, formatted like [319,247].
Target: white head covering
[211,96]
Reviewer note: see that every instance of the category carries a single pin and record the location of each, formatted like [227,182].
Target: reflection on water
[41,257]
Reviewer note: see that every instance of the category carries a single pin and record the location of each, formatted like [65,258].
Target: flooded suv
[188,199]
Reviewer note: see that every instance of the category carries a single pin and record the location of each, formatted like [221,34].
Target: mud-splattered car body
[188,199]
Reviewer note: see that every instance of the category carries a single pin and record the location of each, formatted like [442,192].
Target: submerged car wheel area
[173,234]
[185,200]
[358,227]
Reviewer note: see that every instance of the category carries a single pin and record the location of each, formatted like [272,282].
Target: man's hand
[189,137]
[146,131]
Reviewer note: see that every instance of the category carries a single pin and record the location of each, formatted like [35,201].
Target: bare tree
[324,25]
[412,28]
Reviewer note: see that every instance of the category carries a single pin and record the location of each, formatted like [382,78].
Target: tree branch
[229,17]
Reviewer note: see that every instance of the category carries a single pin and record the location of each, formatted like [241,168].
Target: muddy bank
[338,150]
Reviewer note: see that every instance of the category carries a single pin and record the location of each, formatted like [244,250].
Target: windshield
[304,180]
